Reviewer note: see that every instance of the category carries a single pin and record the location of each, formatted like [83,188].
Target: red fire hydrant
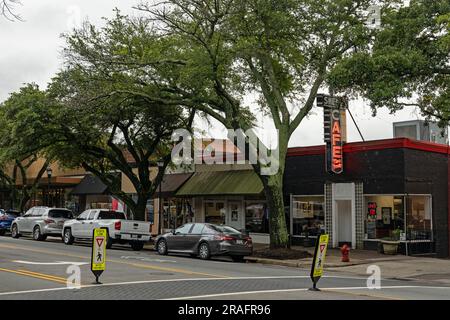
[345,250]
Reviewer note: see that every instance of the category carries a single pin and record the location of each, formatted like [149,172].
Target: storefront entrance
[344,222]
[343,214]
[234,216]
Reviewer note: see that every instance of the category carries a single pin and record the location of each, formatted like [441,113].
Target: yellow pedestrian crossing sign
[98,257]
[319,258]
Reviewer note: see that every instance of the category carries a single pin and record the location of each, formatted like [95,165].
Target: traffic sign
[98,257]
[319,259]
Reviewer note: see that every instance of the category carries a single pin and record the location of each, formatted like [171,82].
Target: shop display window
[386,217]
[308,215]
[215,212]
[418,218]
[256,217]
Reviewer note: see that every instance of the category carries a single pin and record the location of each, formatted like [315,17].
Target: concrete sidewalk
[391,266]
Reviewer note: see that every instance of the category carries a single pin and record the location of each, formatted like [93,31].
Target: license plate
[134,236]
[239,242]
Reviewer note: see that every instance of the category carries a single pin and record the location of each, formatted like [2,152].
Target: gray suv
[41,222]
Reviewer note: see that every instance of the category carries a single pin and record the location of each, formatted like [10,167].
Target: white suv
[41,222]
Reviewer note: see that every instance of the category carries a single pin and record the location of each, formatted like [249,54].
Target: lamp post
[160,167]
[49,177]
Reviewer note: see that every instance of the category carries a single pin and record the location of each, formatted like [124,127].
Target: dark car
[205,240]
[6,218]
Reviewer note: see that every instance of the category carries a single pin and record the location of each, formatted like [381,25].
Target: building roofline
[395,143]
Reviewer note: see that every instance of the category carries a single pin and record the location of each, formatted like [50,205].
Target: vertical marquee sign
[334,131]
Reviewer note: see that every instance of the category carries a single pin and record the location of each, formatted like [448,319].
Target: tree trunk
[24,200]
[141,205]
[273,189]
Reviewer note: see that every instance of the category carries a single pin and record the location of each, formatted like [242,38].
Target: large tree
[408,63]
[25,123]
[282,51]
[105,128]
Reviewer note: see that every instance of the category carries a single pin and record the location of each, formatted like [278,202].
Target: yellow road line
[136,265]
[40,276]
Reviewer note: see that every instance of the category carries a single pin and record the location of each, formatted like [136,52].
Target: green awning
[239,182]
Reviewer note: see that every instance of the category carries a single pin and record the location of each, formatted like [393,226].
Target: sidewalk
[392,266]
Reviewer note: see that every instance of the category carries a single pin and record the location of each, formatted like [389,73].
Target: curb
[301,264]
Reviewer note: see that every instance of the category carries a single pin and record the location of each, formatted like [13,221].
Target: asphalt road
[38,270]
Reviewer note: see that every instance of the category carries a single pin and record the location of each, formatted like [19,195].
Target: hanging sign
[319,259]
[334,131]
[98,256]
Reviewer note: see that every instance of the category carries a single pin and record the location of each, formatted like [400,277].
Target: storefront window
[256,217]
[384,217]
[215,212]
[418,218]
[308,215]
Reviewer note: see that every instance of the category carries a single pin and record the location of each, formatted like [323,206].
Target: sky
[30,51]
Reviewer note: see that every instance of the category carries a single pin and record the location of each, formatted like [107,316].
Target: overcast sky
[30,52]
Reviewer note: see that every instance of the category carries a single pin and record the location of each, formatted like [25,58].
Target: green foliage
[408,64]
[26,133]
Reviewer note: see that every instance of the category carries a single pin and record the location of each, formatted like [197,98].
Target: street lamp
[160,164]
[49,177]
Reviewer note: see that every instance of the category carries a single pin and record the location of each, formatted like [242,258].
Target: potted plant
[391,244]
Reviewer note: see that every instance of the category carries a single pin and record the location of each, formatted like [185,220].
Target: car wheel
[15,231]
[137,245]
[237,258]
[162,247]
[203,251]
[37,235]
[2,232]
[68,238]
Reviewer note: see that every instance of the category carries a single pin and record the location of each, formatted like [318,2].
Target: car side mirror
[79,219]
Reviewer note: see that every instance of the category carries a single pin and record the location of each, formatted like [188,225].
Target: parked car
[6,219]
[40,222]
[120,230]
[206,240]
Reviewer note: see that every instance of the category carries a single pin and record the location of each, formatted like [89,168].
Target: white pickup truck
[120,230]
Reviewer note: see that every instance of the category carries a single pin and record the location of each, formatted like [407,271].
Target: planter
[390,247]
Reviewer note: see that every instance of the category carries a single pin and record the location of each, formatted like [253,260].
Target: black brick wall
[427,173]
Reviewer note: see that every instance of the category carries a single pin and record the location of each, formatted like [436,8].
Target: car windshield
[13,214]
[105,215]
[227,230]
[65,214]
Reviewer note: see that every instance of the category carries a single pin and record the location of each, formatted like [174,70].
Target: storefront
[175,211]
[388,189]
[231,197]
